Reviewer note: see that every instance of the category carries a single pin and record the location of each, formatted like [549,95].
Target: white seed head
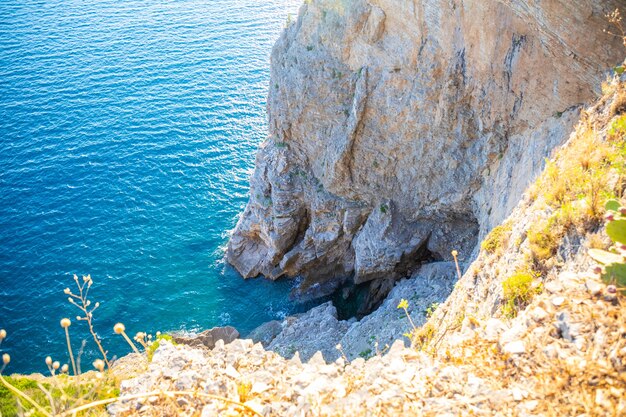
[65,323]
[119,328]
[67,291]
[56,365]
[3,334]
[99,364]
[6,358]
[65,368]
[48,360]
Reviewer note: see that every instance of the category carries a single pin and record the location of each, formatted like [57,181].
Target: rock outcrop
[560,350]
[208,338]
[400,130]
[320,329]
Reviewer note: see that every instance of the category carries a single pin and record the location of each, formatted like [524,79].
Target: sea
[128,130]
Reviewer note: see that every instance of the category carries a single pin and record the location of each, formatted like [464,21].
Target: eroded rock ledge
[400,130]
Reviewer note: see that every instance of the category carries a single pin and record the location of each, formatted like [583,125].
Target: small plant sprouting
[153,346]
[420,337]
[81,301]
[289,21]
[404,305]
[430,310]
[366,354]
[243,390]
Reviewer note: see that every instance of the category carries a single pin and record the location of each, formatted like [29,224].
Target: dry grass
[574,186]
[563,379]
[497,239]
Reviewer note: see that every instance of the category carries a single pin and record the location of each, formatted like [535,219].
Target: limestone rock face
[318,330]
[424,291]
[209,338]
[400,130]
[266,332]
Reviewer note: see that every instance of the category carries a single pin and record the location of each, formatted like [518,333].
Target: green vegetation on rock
[518,291]
[497,238]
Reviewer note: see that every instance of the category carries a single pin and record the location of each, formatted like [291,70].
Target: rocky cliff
[400,130]
[529,330]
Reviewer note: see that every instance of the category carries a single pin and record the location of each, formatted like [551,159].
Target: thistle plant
[119,328]
[343,354]
[455,255]
[144,339]
[615,19]
[66,323]
[82,302]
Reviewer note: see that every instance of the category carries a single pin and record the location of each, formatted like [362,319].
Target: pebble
[518,395]
[232,372]
[516,347]
[595,288]
[553,287]
[539,314]
[493,329]
[558,301]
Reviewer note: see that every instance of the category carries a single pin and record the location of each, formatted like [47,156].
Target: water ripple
[127,135]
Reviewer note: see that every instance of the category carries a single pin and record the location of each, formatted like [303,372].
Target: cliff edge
[402,130]
[529,330]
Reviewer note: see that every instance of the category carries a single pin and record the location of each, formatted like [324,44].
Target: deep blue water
[127,136]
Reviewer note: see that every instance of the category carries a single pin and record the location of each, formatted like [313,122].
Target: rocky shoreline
[320,329]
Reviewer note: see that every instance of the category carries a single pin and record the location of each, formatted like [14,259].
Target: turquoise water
[127,137]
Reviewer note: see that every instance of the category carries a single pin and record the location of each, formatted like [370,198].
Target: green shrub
[155,345]
[517,291]
[8,401]
[497,238]
[366,354]
[543,239]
